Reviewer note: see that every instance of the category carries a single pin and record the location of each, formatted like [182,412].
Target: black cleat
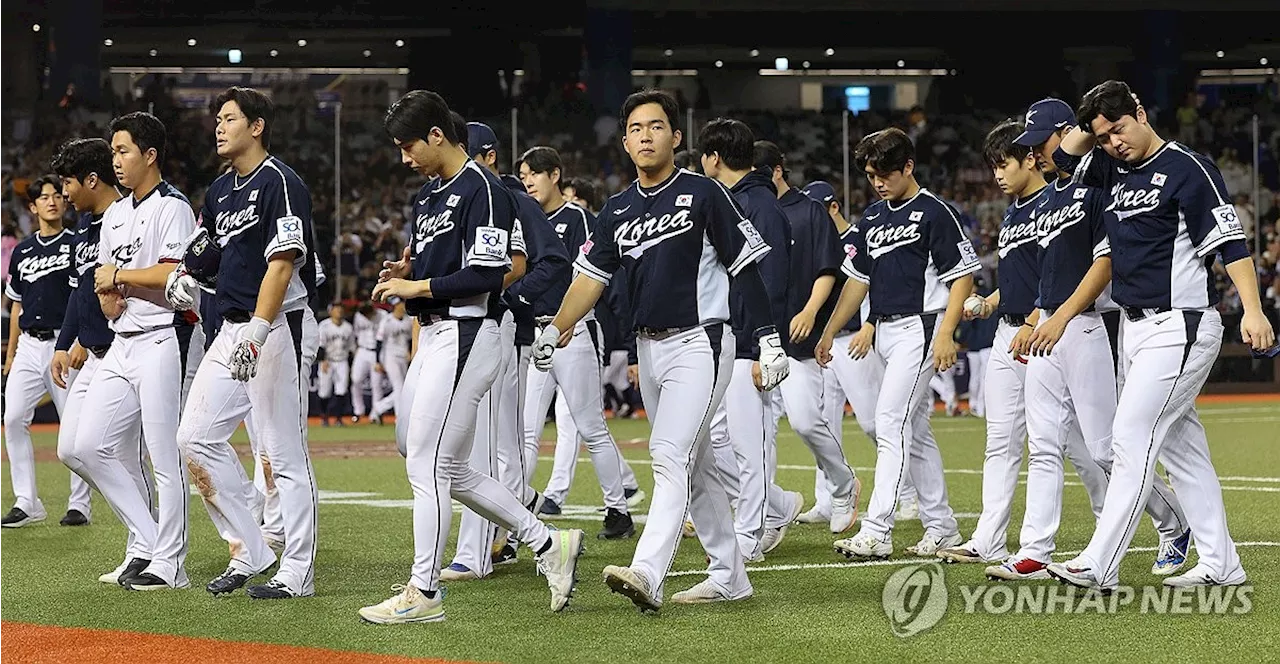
[229,581]
[506,556]
[132,570]
[270,590]
[74,518]
[145,581]
[549,507]
[17,518]
[617,525]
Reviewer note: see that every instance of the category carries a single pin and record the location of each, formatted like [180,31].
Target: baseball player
[576,375]
[364,374]
[40,283]
[337,341]
[911,254]
[255,249]
[141,241]
[1167,213]
[394,332]
[681,237]
[857,376]
[452,278]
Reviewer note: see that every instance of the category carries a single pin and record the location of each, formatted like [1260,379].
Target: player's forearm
[274,284]
[14,312]
[413,339]
[1095,280]
[581,297]
[850,300]
[1245,277]
[519,265]
[819,293]
[153,277]
[960,290]
[1077,142]
[994,298]
[70,324]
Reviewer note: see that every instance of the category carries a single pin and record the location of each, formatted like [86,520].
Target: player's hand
[773,362]
[180,289]
[244,357]
[78,355]
[944,352]
[802,326]
[861,342]
[1256,331]
[396,269]
[1021,344]
[59,368]
[377,368]
[104,278]
[394,287]
[112,304]
[633,374]
[1046,336]
[544,346]
[822,352]
[755,376]
[988,308]
[8,364]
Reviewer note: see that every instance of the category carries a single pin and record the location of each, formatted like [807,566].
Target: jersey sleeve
[1203,202]
[1095,169]
[952,252]
[488,219]
[518,244]
[857,262]
[598,258]
[1095,206]
[735,239]
[825,249]
[286,213]
[176,223]
[13,286]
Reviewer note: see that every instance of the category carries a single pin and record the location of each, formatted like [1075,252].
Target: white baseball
[974,305]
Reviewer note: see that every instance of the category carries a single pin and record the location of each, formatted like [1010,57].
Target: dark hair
[541,159]
[80,157]
[460,128]
[414,115]
[999,145]
[688,159]
[146,130]
[254,105]
[768,155]
[732,140]
[37,186]
[885,151]
[585,189]
[1110,99]
[650,96]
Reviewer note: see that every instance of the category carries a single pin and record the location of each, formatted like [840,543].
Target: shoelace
[1167,550]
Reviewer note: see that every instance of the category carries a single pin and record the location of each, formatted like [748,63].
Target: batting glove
[544,346]
[180,289]
[244,357]
[773,362]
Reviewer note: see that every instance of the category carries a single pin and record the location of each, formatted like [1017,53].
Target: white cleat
[113,577]
[636,497]
[458,572]
[1201,576]
[407,606]
[865,545]
[814,515]
[844,511]
[773,536]
[708,592]
[928,547]
[560,565]
[967,553]
[908,509]
[688,530]
[626,582]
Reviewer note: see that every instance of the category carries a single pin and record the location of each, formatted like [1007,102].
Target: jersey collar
[654,191]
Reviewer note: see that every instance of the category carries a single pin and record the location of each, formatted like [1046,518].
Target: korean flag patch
[491,243]
[453,200]
[1227,220]
[967,255]
[1158,179]
[1079,194]
[916,216]
[289,230]
[684,200]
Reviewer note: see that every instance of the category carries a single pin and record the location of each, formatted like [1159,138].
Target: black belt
[237,316]
[1014,320]
[876,320]
[98,351]
[368,348]
[428,319]
[133,333]
[1088,310]
[43,334]
[660,333]
[1136,313]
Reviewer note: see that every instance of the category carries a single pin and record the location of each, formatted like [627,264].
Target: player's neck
[50,228]
[103,200]
[148,184]
[248,161]
[1034,184]
[555,201]
[782,186]
[730,178]
[453,163]
[912,189]
[657,176]
[1154,147]
[842,224]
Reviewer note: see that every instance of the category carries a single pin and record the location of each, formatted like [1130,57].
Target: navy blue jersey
[253,218]
[979,333]
[1018,272]
[679,241]
[757,197]
[465,221]
[85,322]
[547,268]
[1166,218]
[1072,235]
[816,251]
[614,315]
[848,247]
[909,253]
[40,274]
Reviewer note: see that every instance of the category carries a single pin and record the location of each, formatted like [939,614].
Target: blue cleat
[1172,555]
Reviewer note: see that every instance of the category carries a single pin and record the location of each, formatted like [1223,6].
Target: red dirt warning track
[24,642]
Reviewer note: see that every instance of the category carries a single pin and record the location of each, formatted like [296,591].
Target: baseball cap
[480,138]
[820,191]
[1043,118]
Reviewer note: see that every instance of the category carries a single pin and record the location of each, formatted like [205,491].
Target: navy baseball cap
[1043,118]
[480,138]
[820,191]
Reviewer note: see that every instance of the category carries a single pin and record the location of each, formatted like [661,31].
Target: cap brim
[1032,138]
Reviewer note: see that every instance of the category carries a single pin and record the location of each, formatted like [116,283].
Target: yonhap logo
[915,599]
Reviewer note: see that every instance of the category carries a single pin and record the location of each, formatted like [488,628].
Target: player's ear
[258,128]
[909,168]
[555,176]
[153,156]
[1141,115]
[677,136]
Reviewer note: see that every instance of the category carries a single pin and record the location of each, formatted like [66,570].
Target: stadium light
[399,43]
[153,53]
[781,64]
[35,27]
[234,56]
[191,42]
[755,52]
[668,53]
[107,42]
[831,52]
[805,64]
[302,42]
[367,53]
[719,63]
[274,53]
[1262,61]
[902,63]
[1221,54]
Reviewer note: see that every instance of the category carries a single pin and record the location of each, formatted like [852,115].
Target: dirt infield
[24,642]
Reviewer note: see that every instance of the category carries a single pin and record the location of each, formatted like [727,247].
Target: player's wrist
[257,329]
